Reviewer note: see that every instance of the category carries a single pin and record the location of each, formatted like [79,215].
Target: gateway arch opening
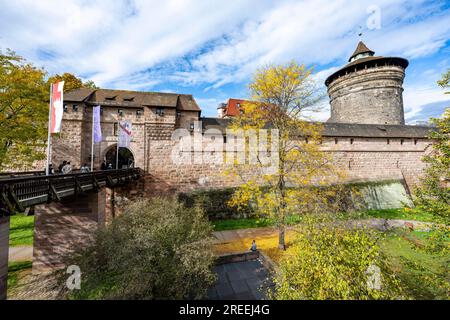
[125,160]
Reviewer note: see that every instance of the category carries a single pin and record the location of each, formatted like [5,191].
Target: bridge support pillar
[4,252]
[60,227]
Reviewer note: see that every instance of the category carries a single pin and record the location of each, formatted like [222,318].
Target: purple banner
[97,128]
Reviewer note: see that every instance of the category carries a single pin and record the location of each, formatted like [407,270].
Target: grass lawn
[403,214]
[21,230]
[247,223]
[424,274]
[16,271]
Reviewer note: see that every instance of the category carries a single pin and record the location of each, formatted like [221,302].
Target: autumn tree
[330,261]
[23,111]
[434,193]
[280,97]
[71,82]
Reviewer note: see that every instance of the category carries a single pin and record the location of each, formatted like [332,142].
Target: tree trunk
[281,240]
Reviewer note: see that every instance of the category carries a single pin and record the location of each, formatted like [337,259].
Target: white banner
[56,107]
[124,134]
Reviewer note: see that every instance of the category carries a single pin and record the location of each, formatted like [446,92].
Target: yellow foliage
[267,244]
[280,96]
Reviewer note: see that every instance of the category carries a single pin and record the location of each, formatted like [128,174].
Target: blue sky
[211,48]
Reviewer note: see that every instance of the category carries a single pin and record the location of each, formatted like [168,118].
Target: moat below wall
[385,195]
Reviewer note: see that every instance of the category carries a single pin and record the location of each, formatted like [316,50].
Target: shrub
[328,261]
[157,249]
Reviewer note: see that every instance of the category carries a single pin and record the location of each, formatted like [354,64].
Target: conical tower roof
[360,49]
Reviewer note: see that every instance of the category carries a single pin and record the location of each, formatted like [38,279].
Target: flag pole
[49,136]
[118,138]
[92,145]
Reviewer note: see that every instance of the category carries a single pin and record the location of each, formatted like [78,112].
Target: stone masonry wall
[372,95]
[362,159]
[62,226]
[4,251]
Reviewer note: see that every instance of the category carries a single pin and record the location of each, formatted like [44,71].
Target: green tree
[161,250]
[280,96]
[71,82]
[23,112]
[433,195]
[330,261]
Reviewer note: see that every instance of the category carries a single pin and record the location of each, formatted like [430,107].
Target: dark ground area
[247,280]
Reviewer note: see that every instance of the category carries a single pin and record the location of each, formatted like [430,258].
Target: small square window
[160,112]
[115,129]
[335,141]
[75,108]
[139,113]
[178,114]
[101,110]
[402,141]
[191,126]
[65,108]
[120,112]
[351,141]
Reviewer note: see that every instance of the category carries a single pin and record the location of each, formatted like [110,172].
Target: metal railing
[8,175]
[23,190]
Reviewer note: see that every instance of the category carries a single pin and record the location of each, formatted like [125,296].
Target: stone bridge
[67,209]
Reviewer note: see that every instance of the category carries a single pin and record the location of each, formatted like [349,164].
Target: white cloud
[140,44]
[417,97]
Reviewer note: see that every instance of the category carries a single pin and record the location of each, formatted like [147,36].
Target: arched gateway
[126,158]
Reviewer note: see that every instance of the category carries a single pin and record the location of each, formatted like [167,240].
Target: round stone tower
[368,89]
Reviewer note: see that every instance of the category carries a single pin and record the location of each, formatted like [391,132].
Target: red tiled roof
[232,107]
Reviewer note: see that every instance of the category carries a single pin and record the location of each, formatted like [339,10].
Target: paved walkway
[20,253]
[246,280]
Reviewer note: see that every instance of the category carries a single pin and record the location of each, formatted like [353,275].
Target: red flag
[56,107]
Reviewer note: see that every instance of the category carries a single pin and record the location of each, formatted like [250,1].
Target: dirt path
[20,253]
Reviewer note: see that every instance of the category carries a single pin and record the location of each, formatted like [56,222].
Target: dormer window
[160,112]
[128,99]
[111,98]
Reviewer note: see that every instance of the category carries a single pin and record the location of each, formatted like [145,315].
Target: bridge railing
[9,175]
[22,191]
